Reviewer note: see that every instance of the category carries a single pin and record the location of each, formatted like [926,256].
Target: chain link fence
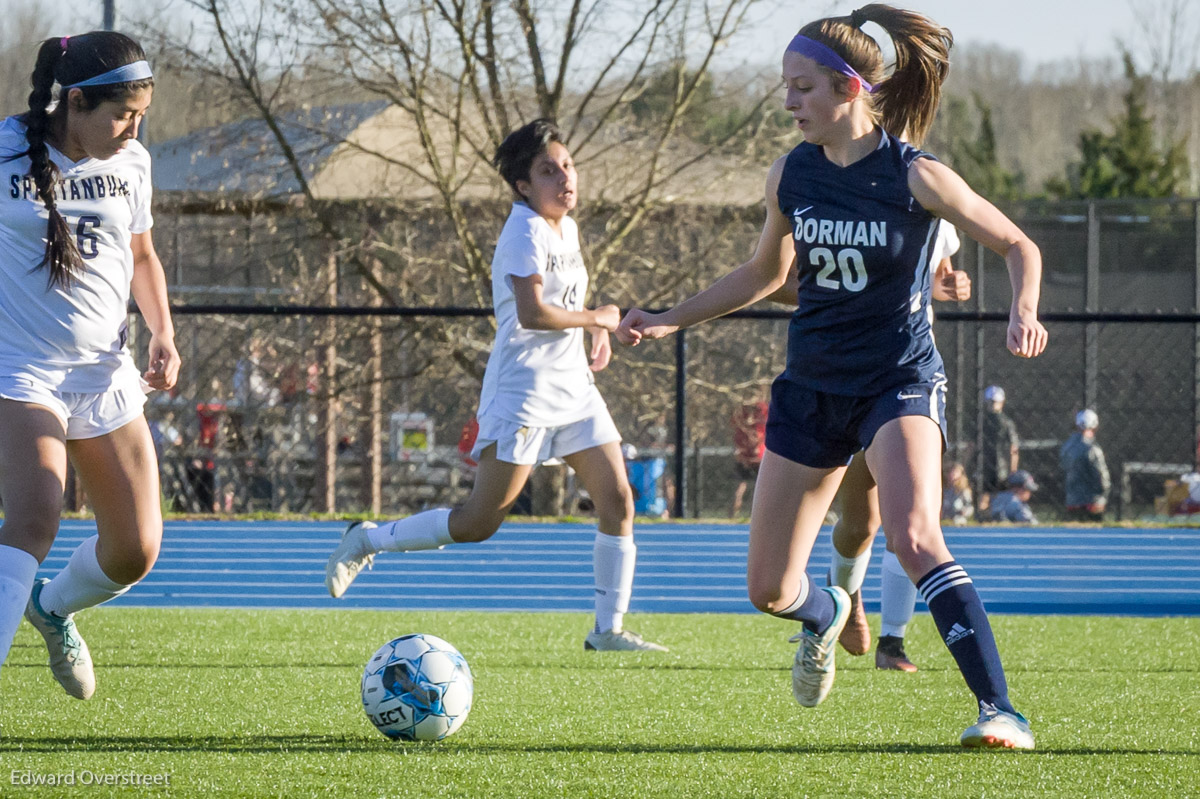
[301,393]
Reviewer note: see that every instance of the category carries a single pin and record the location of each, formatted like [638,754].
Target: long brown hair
[905,102]
[67,61]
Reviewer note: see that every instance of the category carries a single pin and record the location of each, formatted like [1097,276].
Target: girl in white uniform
[539,400]
[74,242]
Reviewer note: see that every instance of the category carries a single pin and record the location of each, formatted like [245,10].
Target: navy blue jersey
[863,323]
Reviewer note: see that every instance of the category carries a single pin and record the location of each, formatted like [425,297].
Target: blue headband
[826,57]
[138,70]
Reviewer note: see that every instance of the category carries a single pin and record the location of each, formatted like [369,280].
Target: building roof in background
[372,150]
[244,157]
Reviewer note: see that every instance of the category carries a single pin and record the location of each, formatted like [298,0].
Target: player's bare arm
[761,276]
[149,288]
[942,192]
[534,314]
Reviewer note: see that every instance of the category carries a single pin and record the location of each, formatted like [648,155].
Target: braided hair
[67,61]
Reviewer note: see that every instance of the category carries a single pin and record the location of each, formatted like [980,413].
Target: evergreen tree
[974,156]
[1127,162]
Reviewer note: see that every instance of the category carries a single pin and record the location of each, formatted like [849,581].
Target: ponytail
[69,61]
[61,256]
[906,101]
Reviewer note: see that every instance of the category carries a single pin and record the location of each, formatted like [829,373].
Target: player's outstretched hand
[601,352]
[639,324]
[164,363]
[1026,336]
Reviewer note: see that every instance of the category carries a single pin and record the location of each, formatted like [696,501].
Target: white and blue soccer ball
[417,688]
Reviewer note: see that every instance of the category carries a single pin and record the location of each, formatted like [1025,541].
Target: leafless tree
[23,30]
[465,72]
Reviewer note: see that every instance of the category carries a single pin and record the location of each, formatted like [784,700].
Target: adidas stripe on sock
[963,623]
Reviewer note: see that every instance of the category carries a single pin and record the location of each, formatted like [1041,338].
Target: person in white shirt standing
[539,399]
[74,243]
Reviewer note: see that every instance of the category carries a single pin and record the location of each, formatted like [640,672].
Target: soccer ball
[417,688]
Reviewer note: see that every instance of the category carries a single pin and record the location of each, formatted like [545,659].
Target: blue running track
[682,568]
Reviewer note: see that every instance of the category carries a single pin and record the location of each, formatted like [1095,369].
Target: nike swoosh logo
[903,396]
[801,213]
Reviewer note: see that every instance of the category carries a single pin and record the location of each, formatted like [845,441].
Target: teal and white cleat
[353,554]
[623,641]
[814,669]
[998,729]
[70,660]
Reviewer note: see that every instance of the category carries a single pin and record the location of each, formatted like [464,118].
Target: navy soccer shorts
[824,430]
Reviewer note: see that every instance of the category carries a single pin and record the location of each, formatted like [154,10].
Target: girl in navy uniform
[75,242]
[858,209]
[859,522]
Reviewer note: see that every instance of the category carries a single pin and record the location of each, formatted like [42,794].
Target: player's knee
[471,525]
[615,505]
[850,535]
[31,527]
[767,595]
[914,542]
[131,563]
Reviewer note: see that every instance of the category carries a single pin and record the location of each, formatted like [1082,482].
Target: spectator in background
[999,455]
[466,442]
[1183,495]
[1085,471]
[252,376]
[201,469]
[749,442]
[958,504]
[1013,505]
[644,476]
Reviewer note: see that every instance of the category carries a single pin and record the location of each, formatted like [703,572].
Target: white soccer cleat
[998,729]
[623,641]
[814,668]
[353,554]
[70,660]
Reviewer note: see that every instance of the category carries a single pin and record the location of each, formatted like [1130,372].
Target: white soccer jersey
[71,339]
[946,244]
[539,378]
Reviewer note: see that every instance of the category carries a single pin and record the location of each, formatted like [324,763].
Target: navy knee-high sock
[814,607]
[963,623]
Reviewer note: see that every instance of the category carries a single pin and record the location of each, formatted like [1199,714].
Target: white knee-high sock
[898,597]
[613,561]
[17,570]
[427,530]
[81,584]
[849,573]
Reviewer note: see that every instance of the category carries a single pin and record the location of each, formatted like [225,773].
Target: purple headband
[826,57]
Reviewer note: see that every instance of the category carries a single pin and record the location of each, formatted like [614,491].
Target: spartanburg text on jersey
[539,378]
[864,247]
[71,339]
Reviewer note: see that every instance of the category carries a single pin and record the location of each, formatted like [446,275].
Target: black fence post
[1091,332]
[1196,351]
[980,366]
[681,485]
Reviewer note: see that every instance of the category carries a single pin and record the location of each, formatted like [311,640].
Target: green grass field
[253,703]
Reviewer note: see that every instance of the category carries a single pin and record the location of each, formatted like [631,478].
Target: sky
[1041,30]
